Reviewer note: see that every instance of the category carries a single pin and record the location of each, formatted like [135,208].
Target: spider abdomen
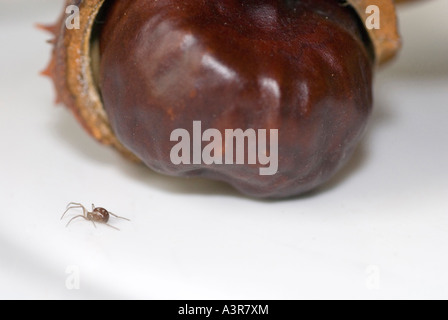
[99,215]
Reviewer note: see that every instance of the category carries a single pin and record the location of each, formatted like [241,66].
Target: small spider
[97,214]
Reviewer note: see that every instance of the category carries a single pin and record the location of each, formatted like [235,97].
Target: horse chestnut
[300,67]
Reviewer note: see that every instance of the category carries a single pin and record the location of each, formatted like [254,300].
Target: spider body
[98,214]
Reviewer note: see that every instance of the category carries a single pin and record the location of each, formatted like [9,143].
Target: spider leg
[112,214]
[74,206]
[112,227]
[76,217]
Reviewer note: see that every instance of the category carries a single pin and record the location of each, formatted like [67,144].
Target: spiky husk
[71,71]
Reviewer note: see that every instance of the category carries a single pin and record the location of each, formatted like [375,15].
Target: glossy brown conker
[302,67]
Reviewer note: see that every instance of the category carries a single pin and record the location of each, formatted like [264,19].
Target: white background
[378,230]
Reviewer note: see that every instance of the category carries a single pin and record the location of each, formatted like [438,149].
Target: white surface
[379,230]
